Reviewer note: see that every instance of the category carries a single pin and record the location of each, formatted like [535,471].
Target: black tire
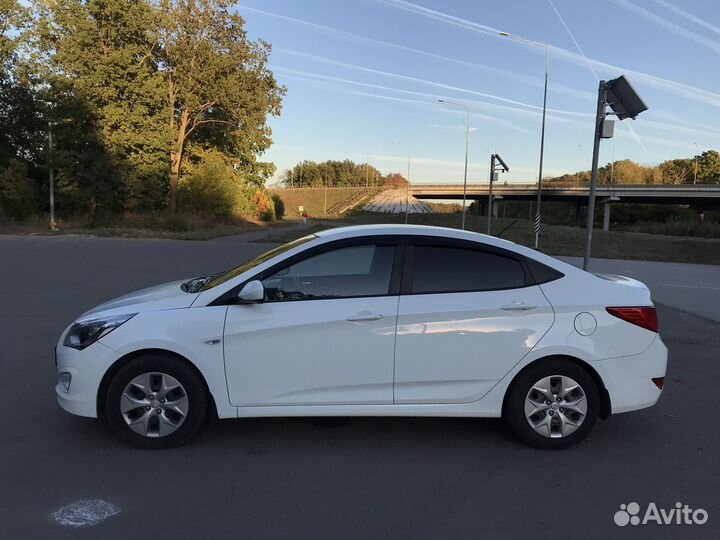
[198,400]
[514,409]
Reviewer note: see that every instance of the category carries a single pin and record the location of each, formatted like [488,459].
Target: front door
[324,335]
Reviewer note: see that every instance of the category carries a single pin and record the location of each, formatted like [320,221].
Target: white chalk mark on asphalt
[84,513]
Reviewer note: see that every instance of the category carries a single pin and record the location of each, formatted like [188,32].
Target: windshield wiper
[195,284]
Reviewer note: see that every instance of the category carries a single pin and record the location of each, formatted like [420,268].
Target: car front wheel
[552,405]
[156,401]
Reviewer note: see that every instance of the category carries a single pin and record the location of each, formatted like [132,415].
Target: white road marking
[86,512]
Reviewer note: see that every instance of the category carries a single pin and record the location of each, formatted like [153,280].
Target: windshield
[224,276]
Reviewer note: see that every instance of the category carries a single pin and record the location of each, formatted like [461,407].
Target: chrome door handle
[364,317]
[518,306]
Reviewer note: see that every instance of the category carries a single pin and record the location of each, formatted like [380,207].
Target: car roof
[356,231]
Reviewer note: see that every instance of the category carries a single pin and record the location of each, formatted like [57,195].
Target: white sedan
[370,321]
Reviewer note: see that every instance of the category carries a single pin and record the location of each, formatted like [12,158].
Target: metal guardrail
[571,186]
[357,188]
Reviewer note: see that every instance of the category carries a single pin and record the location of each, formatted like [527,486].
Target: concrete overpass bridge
[702,197]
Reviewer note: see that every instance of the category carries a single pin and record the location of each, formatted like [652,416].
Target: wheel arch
[124,360]
[605,404]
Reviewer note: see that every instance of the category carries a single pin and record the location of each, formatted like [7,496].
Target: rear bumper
[628,379]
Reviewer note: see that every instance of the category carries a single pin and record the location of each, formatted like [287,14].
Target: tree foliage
[219,90]
[705,165]
[333,173]
[136,94]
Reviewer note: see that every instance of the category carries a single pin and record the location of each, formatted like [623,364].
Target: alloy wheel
[154,404]
[556,406]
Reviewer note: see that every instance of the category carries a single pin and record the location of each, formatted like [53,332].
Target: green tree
[676,171]
[16,190]
[708,165]
[104,87]
[20,130]
[218,88]
[337,173]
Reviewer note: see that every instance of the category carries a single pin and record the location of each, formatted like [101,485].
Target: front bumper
[86,369]
[628,379]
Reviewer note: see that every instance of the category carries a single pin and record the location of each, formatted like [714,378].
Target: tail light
[644,317]
[659,382]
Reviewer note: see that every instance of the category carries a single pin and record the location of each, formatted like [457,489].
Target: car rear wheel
[552,405]
[156,401]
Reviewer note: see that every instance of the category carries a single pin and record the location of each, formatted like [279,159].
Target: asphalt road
[292,478]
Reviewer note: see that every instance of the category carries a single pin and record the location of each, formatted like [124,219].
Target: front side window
[214,281]
[353,271]
[440,269]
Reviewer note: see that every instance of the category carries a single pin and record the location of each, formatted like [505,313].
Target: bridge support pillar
[606,217]
[579,214]
[478,207]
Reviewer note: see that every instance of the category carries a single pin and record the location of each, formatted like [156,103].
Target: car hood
[159,297]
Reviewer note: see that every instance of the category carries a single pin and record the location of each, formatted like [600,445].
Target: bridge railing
[571,186]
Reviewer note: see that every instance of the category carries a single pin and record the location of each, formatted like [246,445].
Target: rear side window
[440,269]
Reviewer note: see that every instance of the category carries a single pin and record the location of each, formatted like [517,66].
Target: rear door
[467,315]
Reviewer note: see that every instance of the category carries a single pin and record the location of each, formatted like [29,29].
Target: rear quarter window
[541,273]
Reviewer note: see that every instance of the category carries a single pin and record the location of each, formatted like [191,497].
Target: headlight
[84,333]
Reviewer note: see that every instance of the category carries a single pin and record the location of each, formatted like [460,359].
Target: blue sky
[361,74]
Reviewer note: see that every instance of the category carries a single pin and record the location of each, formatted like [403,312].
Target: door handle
[518,306]
[365,317]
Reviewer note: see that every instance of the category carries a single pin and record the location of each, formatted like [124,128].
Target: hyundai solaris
[370,321]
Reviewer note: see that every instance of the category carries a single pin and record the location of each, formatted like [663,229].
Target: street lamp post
[407,185]
[542,134]
[51,174]
[695,160]
[467,144]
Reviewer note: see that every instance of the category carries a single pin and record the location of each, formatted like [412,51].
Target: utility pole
[51,169]
[325,194]
[622,98]
[495,162]
[467,144]
[490,199]
[367,172]
[407,191]
[542,133]
[407,185]
[599,121]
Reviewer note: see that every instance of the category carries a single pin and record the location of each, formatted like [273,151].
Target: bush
[175,223]
[279,206]
[16,191]
[210,190]
[263,205]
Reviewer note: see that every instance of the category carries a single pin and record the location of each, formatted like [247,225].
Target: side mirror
[252,293]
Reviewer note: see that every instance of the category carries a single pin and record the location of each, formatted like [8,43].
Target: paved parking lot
[356,479]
